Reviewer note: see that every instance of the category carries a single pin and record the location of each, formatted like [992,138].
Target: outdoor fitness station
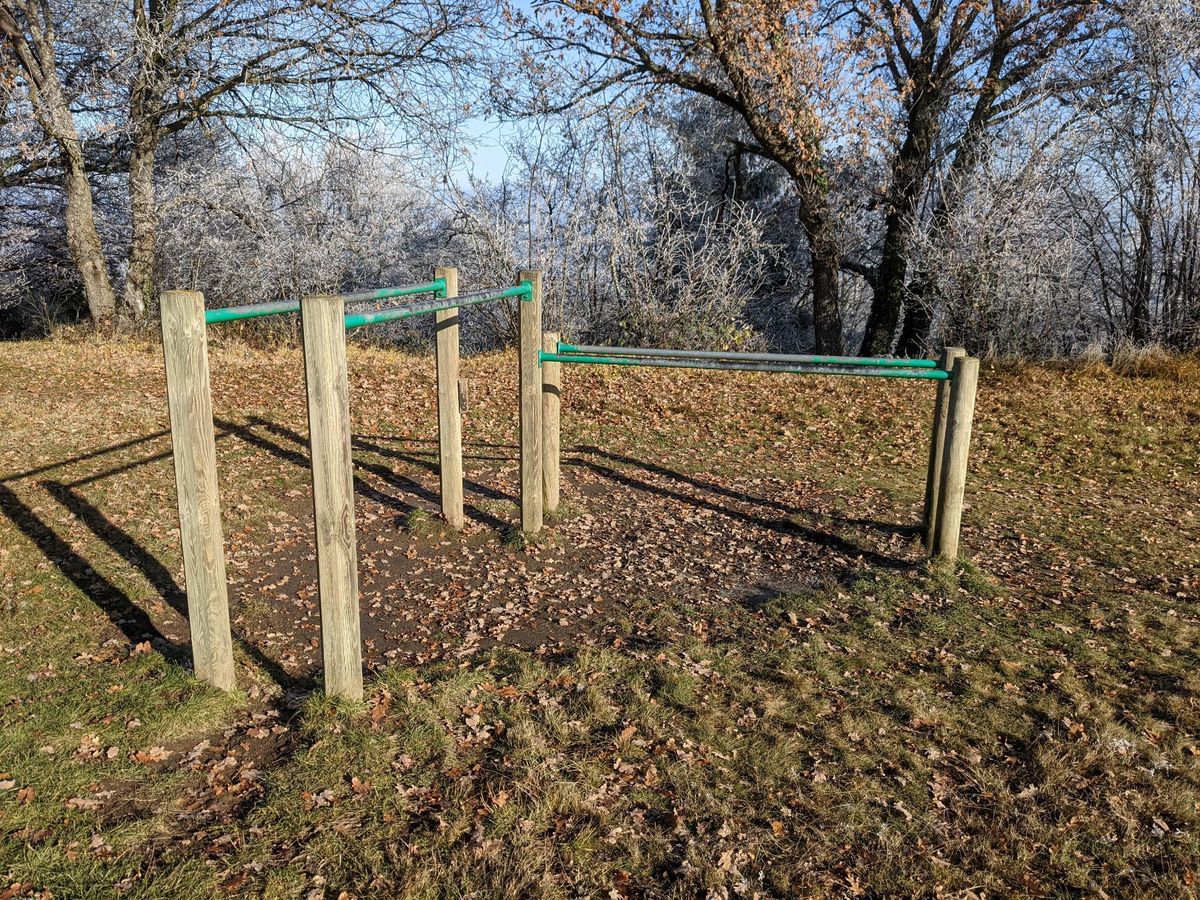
[324,323]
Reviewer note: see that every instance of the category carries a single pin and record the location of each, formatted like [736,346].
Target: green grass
[1024,723]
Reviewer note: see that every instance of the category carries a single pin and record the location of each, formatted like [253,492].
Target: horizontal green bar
[379,316]
[877,362]
[279,307]
[236,313]
[437,286]
[745,366]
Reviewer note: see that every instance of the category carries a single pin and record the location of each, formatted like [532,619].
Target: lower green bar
[877,362]
[745,366]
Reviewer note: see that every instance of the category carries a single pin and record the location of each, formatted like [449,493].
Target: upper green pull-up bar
[257,310]
[378,317]
[375,317]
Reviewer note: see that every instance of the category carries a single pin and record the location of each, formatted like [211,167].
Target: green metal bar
[379,316]
[437,286]
[877,362]
[279,307]
[746,366]
[236,313]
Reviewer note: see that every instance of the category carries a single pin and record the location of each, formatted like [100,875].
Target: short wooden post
[449,417]
[185,347]
[333,492]
[937,447]
[531,406]
[551,449]
[963,379]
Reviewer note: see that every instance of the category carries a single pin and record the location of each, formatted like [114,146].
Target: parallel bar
[235,313]
[437,286]
[780,358]
[257,310]
[925,374]
[437,304]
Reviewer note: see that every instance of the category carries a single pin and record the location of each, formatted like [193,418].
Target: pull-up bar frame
[325,323]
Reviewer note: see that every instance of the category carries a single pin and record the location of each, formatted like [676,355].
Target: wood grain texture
[964,378]
[333,492]
[449,415]
[937,447]
[531,406]
[551,438]
[193,446]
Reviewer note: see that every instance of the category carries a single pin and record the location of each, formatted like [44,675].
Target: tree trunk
[887,298]
[826,261]
[827,311]
[914,336]
[139,280]
[1139,304]
[910,169]
[83,240]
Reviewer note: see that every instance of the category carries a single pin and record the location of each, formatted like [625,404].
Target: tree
[957,68]
[782,68]
[310,68]
[31,52]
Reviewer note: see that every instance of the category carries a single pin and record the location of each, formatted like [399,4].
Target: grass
[1025,723]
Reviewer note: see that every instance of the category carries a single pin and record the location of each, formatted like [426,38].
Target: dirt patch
[633,537]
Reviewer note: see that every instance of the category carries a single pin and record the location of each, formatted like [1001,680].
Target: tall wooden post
[937,447]
[963,379]
[531,406]
[324,331]
[185,347]
[551,441]
[449,417]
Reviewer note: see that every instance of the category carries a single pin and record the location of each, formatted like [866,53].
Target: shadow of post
[127,547]
[781,525]
[132,621]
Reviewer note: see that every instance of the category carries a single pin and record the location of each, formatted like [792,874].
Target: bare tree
[31,52]
[328,68]
[782,68]
[957,69]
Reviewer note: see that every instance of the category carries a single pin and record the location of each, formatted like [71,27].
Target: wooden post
[551,448]
[937,447]
[333,492]
[185,347]
[963,379]
[531,406]
[449,417]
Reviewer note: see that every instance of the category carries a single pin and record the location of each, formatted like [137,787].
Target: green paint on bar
[281,307]
[747,366]
[772,358]
[378,317]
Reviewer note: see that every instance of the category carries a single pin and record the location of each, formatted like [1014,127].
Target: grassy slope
[1028,725]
